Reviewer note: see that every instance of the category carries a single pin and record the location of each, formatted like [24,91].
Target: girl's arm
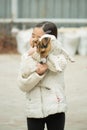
[32,77]
[26,84]
[28,65]
[55,62]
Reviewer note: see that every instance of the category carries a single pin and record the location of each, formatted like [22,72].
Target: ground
[12,100]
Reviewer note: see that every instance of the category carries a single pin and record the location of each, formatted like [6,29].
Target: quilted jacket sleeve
[26,84]
[28,66]
[27,77]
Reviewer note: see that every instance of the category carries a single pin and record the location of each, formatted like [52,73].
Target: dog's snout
[35,41]
[43,50]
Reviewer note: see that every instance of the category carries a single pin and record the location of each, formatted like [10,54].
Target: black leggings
[53,122]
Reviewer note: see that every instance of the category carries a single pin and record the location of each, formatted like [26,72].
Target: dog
[49,44]
[43,48]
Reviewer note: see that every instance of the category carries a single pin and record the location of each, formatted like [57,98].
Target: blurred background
[17,19]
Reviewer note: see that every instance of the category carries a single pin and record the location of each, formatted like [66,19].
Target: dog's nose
[35,40]
[43,50]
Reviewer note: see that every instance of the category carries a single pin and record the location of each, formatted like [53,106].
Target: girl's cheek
[31,43]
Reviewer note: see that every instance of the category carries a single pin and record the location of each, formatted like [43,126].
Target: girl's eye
[39,37]
[34,36]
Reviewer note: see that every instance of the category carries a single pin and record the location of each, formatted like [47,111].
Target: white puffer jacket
[45,93]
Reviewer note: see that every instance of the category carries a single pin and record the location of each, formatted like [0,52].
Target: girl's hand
[32,50]
[41,68]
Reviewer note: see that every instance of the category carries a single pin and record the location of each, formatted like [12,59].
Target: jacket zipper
[42,102]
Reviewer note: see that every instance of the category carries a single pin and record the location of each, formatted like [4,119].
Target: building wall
[52,8]
[5,8]
[44,8]
[59,9]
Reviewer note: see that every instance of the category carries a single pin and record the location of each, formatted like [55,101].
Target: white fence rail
[36,20]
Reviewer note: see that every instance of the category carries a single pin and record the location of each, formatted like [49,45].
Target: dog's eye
[45,46]
[41,46]
[38,46]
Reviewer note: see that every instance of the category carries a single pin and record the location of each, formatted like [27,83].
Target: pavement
[12,100]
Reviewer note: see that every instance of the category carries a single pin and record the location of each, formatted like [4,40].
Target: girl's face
[36,34]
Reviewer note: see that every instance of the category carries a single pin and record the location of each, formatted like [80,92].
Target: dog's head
[44,47]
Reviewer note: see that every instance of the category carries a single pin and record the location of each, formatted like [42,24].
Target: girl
[44,88]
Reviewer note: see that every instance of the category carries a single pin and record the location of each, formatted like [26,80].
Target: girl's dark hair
[48,27]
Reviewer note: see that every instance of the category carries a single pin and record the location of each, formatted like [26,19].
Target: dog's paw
[43,60]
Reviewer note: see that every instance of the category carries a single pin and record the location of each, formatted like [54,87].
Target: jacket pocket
[59,95]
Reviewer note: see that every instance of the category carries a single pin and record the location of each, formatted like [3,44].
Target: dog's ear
[47,39]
